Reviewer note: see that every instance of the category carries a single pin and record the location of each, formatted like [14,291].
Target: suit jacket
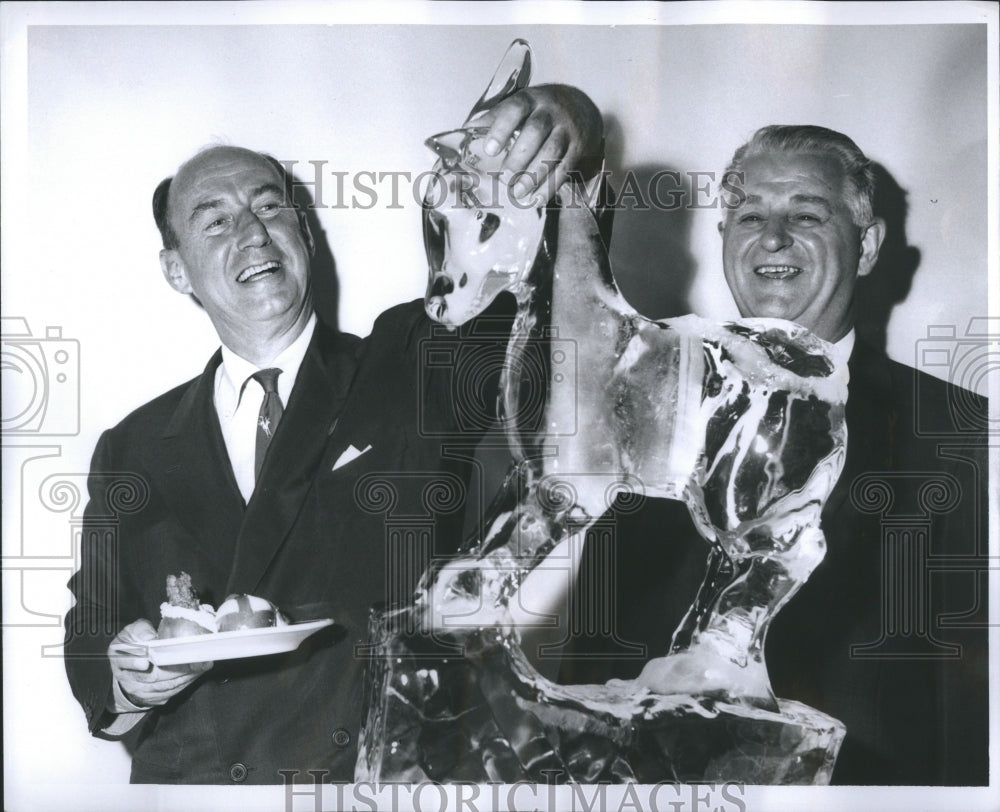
[318,542]
[889,632]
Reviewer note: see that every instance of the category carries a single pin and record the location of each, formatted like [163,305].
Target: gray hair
[859,176]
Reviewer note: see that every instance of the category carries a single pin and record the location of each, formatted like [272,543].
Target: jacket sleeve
[96,616]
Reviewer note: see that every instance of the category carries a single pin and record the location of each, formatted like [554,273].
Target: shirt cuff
[122,704]
[126,713]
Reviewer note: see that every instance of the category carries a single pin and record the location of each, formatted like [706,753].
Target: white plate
[203,648]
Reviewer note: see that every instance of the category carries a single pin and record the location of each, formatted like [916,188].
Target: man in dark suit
[889,632]
[327,502]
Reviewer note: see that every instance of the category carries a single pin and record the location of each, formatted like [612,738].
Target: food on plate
[248,612]
[182,614]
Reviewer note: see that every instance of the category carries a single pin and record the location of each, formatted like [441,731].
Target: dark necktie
[270,414]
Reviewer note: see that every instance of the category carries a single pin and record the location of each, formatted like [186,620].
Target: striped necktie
[270,414]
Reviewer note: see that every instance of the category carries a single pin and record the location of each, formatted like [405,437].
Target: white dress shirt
[238,419]
[840,355]
[842,350]
[238,398]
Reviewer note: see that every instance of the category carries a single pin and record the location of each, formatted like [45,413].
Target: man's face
[241,252]
[791,250]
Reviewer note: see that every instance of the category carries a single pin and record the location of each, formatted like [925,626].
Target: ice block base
[485,715]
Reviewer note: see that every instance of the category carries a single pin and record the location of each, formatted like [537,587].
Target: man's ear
[174,270]
[871,241]
[721,225]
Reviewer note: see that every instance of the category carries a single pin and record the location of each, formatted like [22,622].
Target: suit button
[224,681]
[341,737]
[238,772]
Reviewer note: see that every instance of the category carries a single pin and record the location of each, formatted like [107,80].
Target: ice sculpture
[744,422]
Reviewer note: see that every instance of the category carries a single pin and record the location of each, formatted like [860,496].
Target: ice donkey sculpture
[742,421]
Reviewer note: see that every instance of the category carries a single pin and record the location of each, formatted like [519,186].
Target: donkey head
[479,239]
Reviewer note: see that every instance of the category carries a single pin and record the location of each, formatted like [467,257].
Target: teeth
[253,270]
[777,271]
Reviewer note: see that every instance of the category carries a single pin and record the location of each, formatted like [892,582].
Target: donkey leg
[725,657]
[720,572]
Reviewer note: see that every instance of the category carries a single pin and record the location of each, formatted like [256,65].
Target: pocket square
[350,454]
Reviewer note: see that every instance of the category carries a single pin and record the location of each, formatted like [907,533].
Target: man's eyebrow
[266,188]
[205,205]
[817,199]
[216,203]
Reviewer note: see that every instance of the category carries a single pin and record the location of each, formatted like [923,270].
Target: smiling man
[889,632]
[234,244]
[802,235]
[275,473]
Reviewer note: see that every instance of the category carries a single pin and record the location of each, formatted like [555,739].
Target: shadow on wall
[890,281]
[650,245]
[326,288]
[650,250]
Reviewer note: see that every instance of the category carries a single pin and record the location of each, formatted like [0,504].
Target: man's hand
[560,130]
[144,684]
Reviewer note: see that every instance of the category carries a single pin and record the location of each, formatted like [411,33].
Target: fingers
[123,659]
[534,133]
[127,650]
[546,169]
[154,687]
[554,126]
[185,668]
[160,680]
[158,685]
[504,120]
[541,151]
[140,631]
[539,147]
[144,683]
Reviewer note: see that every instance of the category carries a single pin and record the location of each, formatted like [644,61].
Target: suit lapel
[194,473]
[317,398]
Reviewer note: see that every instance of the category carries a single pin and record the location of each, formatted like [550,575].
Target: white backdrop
[99,108]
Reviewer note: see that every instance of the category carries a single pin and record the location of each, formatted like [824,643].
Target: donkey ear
[448,146]
[512,75]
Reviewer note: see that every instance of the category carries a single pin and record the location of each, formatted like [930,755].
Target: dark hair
[161,195]
[859,176]
[161,214]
